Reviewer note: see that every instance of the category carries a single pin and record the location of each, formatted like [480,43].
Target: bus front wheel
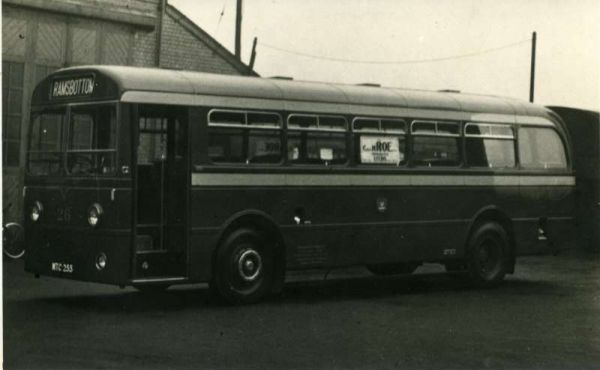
[488,254]
[244,267]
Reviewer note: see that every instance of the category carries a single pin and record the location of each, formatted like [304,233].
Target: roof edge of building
[213,44]
[138,20]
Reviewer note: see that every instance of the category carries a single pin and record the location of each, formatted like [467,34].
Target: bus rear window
[92,140]
[44,154]
[541,148]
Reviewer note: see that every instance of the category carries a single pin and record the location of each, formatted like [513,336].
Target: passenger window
[541,147]
[489,145]
[316,139]
[226,145]
[244,137]
[264,147]
[435,144]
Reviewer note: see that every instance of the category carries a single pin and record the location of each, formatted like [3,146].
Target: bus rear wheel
[393,268]
[488,254]
[244,268]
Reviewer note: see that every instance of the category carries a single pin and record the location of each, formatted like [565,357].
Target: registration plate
[62,267]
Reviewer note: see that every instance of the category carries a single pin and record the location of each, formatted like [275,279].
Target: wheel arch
[492,213]
[267,227]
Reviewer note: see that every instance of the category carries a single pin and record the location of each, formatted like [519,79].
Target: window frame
[246,128]
[317,117]
[345,131]
[461,160]
[35,111]
[67,135]
[568,164]
[513,138]
[358,133]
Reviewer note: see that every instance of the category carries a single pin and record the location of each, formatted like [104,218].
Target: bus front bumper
[79,255]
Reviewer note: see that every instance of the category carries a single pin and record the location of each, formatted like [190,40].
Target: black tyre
[488,254]
[244,267]
[393,268]
[455,266]
[13,240]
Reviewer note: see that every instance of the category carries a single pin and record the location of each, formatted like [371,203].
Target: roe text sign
[380,149]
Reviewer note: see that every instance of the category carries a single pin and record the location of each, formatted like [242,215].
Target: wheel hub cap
[249,265]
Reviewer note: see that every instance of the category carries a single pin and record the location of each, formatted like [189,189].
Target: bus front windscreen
[45,142]
[91,147]
[90,141]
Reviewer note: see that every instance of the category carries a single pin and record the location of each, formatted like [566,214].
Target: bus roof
[181,86]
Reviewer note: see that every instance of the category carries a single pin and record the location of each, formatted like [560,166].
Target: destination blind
[72,87]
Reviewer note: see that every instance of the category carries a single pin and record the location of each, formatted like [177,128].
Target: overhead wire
[408,61]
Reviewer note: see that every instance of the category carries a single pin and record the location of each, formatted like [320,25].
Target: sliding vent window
[45,152]
[317,139]
[244,137]
[92,140]
[435,144]
[490,145]
[541,148]
[380,141]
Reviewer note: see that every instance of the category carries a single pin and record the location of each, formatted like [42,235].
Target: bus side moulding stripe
[267,180]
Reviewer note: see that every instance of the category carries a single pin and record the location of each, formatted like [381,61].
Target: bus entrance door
[161,194]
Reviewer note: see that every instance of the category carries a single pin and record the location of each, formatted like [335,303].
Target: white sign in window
[326,154]
[380,150]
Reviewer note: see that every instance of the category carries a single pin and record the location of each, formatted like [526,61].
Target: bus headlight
[94,213]
[36,211]
[101,261]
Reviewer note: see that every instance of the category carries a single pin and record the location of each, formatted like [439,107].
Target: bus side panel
[202,246]
[338,226]
[213,207]
[331,226]
[544,222]
[561,225]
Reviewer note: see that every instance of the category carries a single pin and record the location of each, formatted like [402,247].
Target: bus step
[160,279]
[159,263]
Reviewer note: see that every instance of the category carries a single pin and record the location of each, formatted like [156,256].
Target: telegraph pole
[532,76]
[253,54]
[238,30]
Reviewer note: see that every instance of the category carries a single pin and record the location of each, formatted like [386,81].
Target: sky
[414,43]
